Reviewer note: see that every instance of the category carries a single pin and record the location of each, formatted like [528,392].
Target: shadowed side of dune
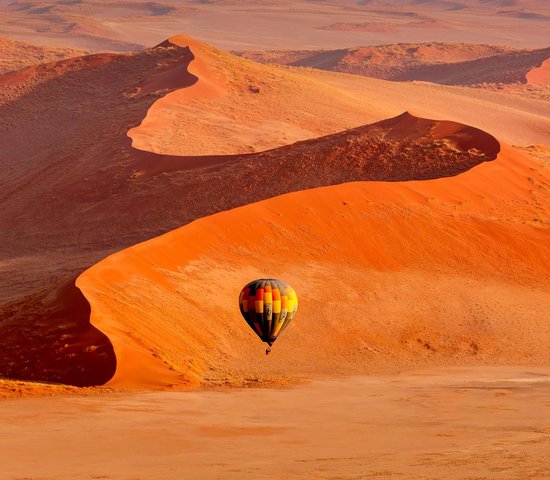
[47,336]
[381,61]
[404,148]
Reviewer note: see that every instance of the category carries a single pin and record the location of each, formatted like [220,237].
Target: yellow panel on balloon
[277,329]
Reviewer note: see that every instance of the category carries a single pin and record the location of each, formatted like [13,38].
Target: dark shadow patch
[48,337]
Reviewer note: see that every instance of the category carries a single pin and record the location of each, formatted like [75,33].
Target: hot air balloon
[268,305]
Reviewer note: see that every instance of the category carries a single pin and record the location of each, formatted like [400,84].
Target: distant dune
[15,55]
[448,64]
[539,75]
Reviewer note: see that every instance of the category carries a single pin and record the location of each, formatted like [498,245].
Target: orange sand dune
[236,107]
[158,193]
[452,270]
[80,158]
[380,61]
[79,192]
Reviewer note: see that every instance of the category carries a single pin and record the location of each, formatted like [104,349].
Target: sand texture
[276,24]
[475,205]
[447,64]
[480,423]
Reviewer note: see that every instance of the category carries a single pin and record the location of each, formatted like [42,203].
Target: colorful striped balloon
[268,305]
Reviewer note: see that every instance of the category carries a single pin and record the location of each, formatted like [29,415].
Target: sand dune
[90,167]
[380,61]
[81,164]
[448,64]
[451,270]
[539,75]
[403,148]
[15,55]
[246,114]
[140,191]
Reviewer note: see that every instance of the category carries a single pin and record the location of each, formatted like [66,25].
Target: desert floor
[475,423]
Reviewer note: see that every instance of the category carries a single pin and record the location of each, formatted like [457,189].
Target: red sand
[82,176]
[444,271]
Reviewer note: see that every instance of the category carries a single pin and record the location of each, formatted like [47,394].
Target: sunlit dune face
[389,274]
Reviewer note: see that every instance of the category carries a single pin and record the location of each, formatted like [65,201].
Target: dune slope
[448,64]
[451,270]
[237,106]
[79,191]
[402,148]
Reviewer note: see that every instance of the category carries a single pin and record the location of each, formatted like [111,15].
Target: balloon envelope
[268,305]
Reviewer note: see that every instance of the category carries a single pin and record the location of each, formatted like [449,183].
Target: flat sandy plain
[480,423]
[285,24]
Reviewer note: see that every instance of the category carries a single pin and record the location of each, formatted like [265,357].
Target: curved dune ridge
[236,106]
[168,190]
[389,275]
[92,169]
